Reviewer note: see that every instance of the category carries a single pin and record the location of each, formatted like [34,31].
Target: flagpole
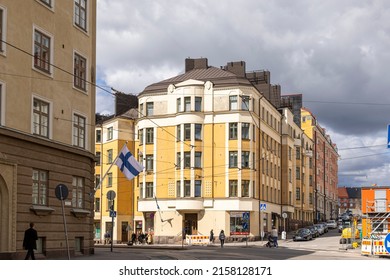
[109,168]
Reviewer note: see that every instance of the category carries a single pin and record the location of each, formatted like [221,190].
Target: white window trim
[4,31]
[87,147]
[51,8]
[33,96]
[48,34]
[88,9]
[86,72]
[2,103]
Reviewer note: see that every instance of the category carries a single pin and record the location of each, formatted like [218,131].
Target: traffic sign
[388,136]
[111,195]
[263,206]
[112,214]
[61,191]
[245,215]
[387,243]
[245,225]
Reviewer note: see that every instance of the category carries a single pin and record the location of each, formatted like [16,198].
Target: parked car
[331,224]
[326,229]
[302,234]
[314,231]
[320,228]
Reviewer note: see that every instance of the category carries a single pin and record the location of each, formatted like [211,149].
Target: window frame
[39,64]
[80,66]
[233,131]
[233,103]
[78,16]
[198,104]
[149,137]
[245,103]
[40,187]
[79,131]
[187,104]
[78,188]
[187,132]
[198,131]
[233,188]
[149,190]
[40,115]
[245,187]
[245,131]
[187,160]
[3,30]
[245,159]
[233,159]
[198,160]
[110,133]
[149,108]
[149,160]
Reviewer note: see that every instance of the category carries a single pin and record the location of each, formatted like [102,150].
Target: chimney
[237,68]
[196,63]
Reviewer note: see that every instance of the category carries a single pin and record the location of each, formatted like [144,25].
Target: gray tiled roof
[217,76]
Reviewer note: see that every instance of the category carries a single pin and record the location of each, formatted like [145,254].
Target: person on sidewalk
[30,241]
[211,236]
[274,235]
[222,237]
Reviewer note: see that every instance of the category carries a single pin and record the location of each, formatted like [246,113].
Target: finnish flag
[127,163]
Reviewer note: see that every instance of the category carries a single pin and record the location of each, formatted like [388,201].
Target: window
[198,159]
[187,131]
[298,153]
[46,2]
[149,162]
[141,136]
[110,133]
[198,104]
[110,156]
[233,159]
[39,187]
[42,51]
[149,190]
[77,192]
[245,188]
[198,131]
[178,188]
[109,179]
[150,135]
[2,30]
[187,188]
[149,108]
[98,136]
[298,173]
[97,181]
[187,104]
[198,188]
[236,224]
[80,13]
[78,131]
[233,103]
[232,188]
[245,103]
[245,159]
[290,175]
[141,110]
[97,204]
[178,105]
[178,132]
[245,131]
[187,159]
[97,158]
[298,193]
[233,131]
[178,160]
[80,72]
[41,118]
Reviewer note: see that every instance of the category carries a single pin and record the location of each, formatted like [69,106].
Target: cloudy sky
[335,52]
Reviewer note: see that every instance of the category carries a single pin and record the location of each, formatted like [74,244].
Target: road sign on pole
[388,136]
[387,243]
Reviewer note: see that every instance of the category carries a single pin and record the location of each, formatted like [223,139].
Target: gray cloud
[336,53]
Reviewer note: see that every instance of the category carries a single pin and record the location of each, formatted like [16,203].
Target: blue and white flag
[127,163]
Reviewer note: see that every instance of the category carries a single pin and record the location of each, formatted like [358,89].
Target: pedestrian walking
[107,237]
[274,235]
[30,241]
[211,236]
[222,237]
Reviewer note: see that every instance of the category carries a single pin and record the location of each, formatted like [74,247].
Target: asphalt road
[326,247]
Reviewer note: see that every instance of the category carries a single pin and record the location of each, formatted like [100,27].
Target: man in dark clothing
[30,241]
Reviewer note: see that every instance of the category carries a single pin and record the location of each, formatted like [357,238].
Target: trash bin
[283,235]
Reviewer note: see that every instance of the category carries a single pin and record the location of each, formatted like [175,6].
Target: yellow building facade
[211,147]
[111,135]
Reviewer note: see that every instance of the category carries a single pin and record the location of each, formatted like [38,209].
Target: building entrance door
[191,224]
